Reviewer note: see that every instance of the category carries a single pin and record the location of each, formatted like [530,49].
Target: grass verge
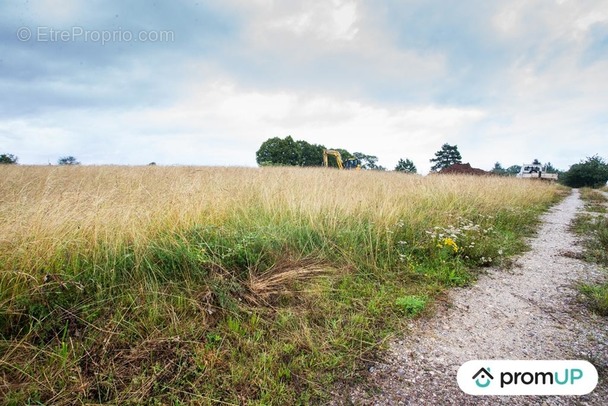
[228,285]
[594,229]
[595,201]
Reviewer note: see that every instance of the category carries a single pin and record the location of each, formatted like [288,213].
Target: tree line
[592,172]
[10,159]
[289,152]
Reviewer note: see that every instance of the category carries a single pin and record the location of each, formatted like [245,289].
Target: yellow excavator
[350,163]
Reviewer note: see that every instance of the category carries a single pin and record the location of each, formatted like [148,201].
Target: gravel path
[531,311]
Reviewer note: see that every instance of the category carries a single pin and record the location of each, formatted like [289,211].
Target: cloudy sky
[206,82]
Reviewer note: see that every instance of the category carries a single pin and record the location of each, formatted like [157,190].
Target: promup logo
[483,375]
[496,377]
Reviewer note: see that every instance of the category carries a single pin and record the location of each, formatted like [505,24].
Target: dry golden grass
[44,210]
[245,285]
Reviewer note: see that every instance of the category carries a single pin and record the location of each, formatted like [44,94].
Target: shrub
[8,159]
[591,173]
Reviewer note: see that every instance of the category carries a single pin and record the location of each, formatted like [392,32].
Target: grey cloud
[51,70]
[521,63]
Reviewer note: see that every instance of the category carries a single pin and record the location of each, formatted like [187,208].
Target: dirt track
[531,311]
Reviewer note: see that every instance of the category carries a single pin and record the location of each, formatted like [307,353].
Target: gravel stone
[532,311]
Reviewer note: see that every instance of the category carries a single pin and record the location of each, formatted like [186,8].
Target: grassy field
[192,285]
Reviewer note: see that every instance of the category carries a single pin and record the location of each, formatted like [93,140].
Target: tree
[536,162]
[499,170]
[310,154]
[448,155]
[406,166]
[286,151]
[68,160]
[277,151]
[513,170]
[368,161]
[591,173]
[8,159]
[549,168]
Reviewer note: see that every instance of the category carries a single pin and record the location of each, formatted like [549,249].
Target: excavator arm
[334,153]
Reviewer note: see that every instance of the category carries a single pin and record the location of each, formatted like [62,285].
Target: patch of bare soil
[532,311]
[463,169]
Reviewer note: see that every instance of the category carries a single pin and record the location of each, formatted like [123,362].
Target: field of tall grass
[195,285]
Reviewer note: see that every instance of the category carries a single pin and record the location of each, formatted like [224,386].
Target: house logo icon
[483,378]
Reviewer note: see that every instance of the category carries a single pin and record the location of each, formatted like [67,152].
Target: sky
[207,82]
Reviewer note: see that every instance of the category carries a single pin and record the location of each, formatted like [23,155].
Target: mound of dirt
[463,169]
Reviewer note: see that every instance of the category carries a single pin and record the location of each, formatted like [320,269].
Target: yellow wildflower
[448,242]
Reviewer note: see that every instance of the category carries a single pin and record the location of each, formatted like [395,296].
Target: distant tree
[591,173]
[406,166]
[536,162]
[277,151]
[286,151]
[499,170]
[513,170]
[309,154]
[68,160]
[152,163]
[8,159]
[368,161]
[448,155]
[549,168]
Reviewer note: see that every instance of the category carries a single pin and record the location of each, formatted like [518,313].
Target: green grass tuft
[597,296]
[411,305]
